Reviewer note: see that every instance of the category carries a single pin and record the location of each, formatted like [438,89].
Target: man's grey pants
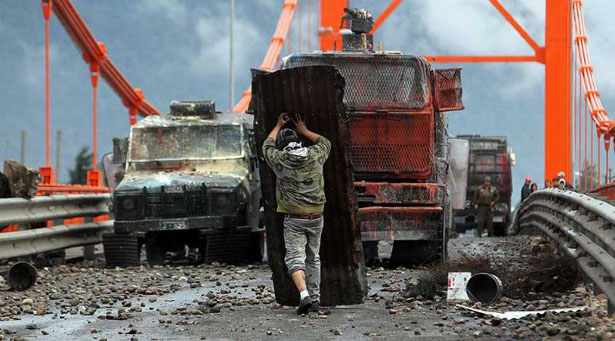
[302,241]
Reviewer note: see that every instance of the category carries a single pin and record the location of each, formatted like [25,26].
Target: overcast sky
[178,49]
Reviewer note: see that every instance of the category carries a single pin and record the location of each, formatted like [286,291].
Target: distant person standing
[533,188]
[562,176]
[485,198]
[548,184]
[525,190]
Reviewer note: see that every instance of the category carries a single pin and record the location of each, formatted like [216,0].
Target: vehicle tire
[370,252]
[415,252]
[256,248]
[227,246]
[121,250]
[154,253]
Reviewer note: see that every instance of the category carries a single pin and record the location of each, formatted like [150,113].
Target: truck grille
[176,205]
[392,144]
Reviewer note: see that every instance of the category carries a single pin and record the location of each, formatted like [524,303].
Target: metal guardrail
[30,242]
[22,211]
[584,228]
[40,209]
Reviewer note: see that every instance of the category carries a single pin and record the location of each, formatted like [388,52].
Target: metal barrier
[21,211]
[606,191]
[584,228]
[43,209]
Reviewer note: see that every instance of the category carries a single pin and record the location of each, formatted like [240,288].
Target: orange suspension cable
[579,127]
[95,129]
[585,149]
[591,174]
[574,117]
[47,14]
[607,171]
[599,159]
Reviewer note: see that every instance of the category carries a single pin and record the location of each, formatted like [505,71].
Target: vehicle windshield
[189,142]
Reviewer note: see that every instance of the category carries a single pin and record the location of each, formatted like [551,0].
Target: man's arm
[270,152]
[496,197]
[302,129]
[475,198]
[321,147]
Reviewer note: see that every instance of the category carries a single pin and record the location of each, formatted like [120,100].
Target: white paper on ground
[513,315]
[456,286]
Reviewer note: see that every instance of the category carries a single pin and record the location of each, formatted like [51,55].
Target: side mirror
[447,89]
[113,172]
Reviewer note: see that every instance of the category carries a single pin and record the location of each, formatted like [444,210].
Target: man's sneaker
[315,306]
[304,306]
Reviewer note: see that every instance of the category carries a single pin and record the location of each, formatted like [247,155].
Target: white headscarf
[295,148]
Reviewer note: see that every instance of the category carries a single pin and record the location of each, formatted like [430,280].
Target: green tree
[582,180]
[83,163]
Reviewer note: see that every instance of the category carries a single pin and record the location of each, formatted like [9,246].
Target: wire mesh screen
[448,89]
[374,80]
[399,145]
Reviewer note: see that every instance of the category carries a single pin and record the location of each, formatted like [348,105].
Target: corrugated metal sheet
[316,92]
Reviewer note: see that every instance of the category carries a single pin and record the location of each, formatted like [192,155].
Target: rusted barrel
[484,288]
[21,276]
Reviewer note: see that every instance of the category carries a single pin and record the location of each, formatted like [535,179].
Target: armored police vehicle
[191,187]
[397,107]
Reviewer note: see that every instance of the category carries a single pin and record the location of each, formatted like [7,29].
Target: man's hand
[302,129]
[300,126]
[282,120]
[476,206]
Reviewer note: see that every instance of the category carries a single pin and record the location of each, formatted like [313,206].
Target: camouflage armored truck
[191,182]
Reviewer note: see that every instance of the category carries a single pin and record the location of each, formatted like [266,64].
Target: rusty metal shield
[316,92]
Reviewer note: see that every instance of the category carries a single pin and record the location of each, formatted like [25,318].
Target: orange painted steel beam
[558,100]
[273,53]
[515,25]
[481,59]
[69,189]
[83,38]
[331,13]
[385,14]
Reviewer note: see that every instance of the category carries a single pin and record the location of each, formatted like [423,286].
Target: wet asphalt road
[226,302]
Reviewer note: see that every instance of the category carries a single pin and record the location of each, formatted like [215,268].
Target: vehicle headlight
[223,203]
[128,203]
[127,207]
[501,207]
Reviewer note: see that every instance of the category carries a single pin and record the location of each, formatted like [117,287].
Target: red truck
[398,124]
